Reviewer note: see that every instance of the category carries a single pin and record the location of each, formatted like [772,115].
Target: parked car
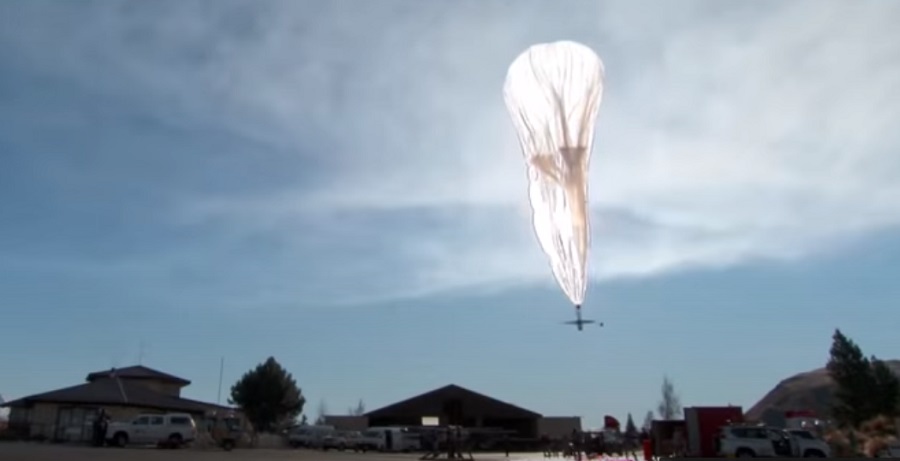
[342,440]
[371,440]
[352,439]
[309,436]
[335,440]
[172,430]
[227,431]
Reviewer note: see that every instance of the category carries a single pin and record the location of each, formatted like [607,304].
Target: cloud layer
[726,134]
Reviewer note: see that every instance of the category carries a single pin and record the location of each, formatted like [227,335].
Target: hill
[812,390]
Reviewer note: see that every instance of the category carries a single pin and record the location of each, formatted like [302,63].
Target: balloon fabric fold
[553,93]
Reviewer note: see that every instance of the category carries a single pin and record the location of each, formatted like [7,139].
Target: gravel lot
[15,451]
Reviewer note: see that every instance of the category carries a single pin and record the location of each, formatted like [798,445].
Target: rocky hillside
[812,390]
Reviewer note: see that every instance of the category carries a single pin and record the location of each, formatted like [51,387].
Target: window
[232,424]
[749,433]
[803,435]
[142,421]
[180,421]
[157,420]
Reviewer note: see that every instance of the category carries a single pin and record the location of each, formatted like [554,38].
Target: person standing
[99,427]
[576,444]
[104,426]
[95,434]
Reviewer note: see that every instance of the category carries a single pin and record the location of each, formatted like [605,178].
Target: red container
[703,424]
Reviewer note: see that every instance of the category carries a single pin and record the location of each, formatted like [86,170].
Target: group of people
[581,444]
[100,426]
[451,441]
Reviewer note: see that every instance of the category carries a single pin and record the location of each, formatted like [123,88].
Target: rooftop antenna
[221,369]
[115,375]
[140,359]
[115,358]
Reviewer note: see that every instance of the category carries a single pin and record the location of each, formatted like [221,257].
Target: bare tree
[321,412]
[359,410]
[648,421]
[670,405]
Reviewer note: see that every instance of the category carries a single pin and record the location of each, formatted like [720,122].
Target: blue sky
[338,184]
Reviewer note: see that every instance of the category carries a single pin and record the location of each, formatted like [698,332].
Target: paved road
[16,451]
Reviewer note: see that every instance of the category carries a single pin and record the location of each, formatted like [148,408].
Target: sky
[338,185]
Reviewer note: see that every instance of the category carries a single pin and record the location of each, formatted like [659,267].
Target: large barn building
[455,405]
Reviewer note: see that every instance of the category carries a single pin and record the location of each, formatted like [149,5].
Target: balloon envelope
[553,92]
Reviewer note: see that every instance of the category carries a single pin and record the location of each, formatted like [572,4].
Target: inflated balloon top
[553,92]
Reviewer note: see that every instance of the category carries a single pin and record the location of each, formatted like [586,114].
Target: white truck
[171,429]
[890,451]
[761,441]
[808,445]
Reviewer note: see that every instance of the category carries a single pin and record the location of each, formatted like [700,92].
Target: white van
[174,429]
[309,436]
[390,439]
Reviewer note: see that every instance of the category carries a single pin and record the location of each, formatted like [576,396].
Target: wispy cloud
[727,133]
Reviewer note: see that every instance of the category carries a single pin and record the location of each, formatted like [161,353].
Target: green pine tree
[268,395]
[886,395]
[852,373]
[648,421]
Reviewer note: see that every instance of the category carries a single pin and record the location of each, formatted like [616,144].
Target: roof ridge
[114,392]
[136,372]
[457,388]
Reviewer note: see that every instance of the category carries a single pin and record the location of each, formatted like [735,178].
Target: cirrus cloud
[726,134]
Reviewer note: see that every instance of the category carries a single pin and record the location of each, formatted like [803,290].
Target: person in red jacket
[647,445]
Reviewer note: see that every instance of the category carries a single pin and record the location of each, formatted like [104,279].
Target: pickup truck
[808,445]
[761,441]
[890,451]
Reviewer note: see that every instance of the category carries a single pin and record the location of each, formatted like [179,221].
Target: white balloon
[553,92]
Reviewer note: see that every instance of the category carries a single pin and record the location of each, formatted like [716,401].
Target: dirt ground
[17,451]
